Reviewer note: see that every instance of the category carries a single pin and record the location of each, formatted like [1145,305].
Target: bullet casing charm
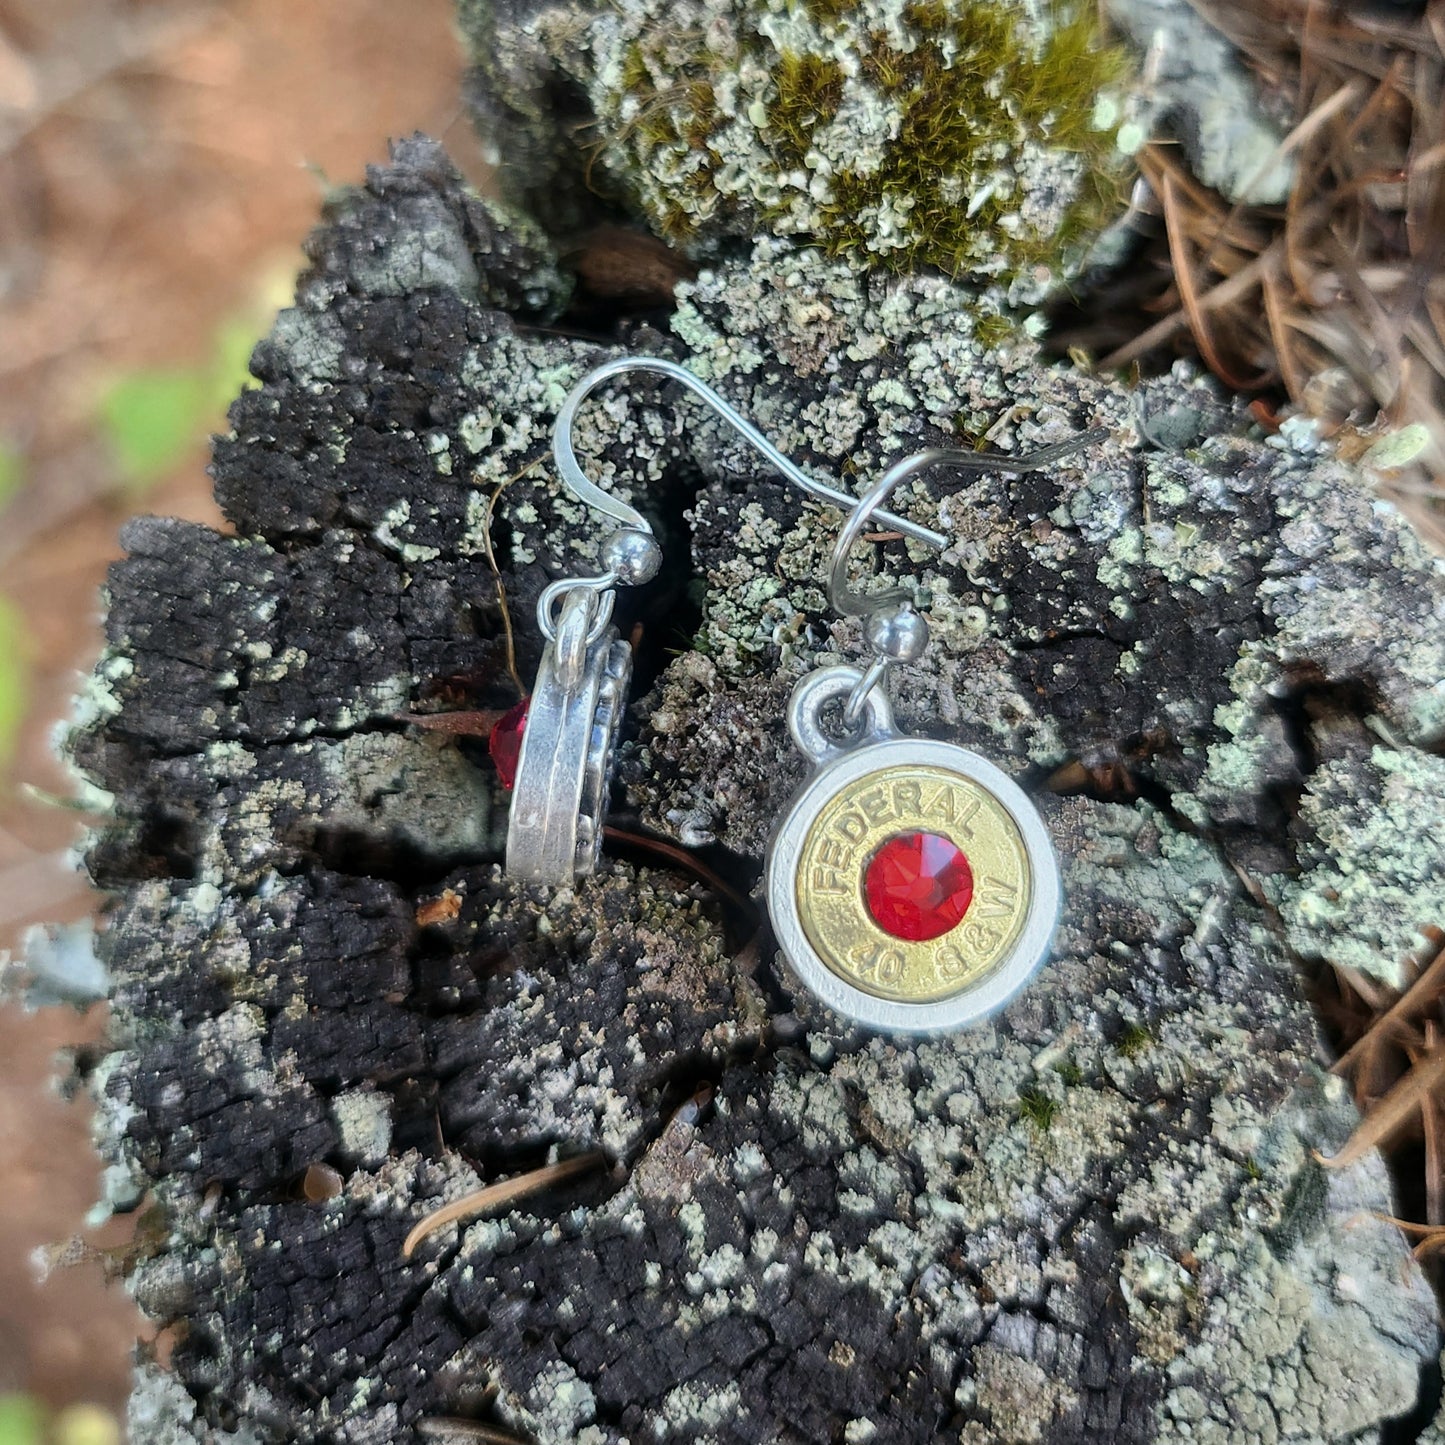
[911,883]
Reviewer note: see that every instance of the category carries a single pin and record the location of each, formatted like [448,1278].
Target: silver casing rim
[559,794]
[969,1004]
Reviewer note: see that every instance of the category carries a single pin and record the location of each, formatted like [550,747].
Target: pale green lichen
[313,343]
[161,1411]
[1372,866]
[559,1404]
[1179,1143]
[1325,514]
[898,132]
[363,1124]
[1135,1039]
[1017,1393]
[440,251]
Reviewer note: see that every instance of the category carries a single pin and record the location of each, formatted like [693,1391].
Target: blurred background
[160,164]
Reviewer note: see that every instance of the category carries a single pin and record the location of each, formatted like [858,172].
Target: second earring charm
[911,884]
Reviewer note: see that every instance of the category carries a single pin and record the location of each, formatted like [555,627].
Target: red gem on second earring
[505,741]
[918,886]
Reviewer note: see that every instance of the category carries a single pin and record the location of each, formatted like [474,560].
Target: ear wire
[576,479]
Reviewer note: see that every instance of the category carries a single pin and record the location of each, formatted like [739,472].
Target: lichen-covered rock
[978,136]
[1371,858]
[478,248]
[1201,94]
[1097,1217]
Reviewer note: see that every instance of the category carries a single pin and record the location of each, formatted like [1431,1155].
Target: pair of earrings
[911,883]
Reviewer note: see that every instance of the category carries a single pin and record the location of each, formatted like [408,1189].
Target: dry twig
[497,572]
[448,1431]
[1431,1237]
[684,858]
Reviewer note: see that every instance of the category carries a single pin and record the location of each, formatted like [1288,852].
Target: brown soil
[160,162]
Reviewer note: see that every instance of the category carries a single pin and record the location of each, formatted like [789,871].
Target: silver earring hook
[572,474]
[894,631]
[857,604]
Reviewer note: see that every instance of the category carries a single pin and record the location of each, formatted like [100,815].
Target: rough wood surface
[1095,1219]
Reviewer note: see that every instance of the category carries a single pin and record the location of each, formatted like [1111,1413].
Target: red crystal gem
[505,742]
[918,886]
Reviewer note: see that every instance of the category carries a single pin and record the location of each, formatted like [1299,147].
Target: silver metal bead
[900,636]
[633,556]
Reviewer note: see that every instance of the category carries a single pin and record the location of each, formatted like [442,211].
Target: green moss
[809,88]
[975,150]
[657,127]
[635,74]
[828,12]
[886,67]
[992,330]
[702,113]
[1069,1072]
[965,88]
[928,17]
[681,113]
[1037,1108]
[676,224]
[1133,1041]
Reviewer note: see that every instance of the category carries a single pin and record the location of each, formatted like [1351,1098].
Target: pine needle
[1391,1113]
[1397,1047]
[499,1195]
[1336,300]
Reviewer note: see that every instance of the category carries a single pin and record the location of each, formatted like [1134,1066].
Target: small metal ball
[900,636]
[633,556]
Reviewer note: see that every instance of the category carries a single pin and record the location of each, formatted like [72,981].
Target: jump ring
[555,592]
[858,698]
